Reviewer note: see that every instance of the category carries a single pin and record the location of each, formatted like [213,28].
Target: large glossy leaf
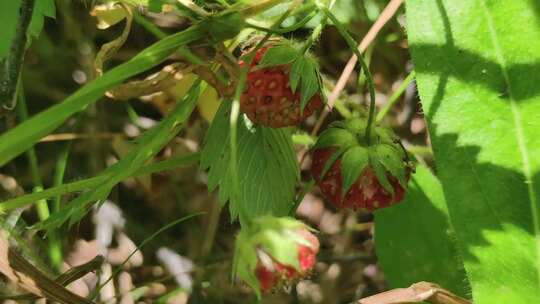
[267,167]
[478,75]
[414,239]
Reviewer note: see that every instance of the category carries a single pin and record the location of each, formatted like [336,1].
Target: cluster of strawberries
[377,163]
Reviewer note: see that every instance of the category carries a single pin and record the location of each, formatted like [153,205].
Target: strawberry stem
[314,36]
[369,79]
[287,29]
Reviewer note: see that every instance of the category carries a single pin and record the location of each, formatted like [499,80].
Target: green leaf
[380,170]
[267,166]
[332,159]
[415,241]
[296,73]
[478,70]
[305,72]
[149,144]
[353,162]
[42,9]
[17,140]
[278,55]
[9,14]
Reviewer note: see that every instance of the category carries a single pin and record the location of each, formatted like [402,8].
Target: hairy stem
[369,79]
[12,66]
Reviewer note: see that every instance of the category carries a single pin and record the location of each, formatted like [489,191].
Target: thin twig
[386,15]
[9,79]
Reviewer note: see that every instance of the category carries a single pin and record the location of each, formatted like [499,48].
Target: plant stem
[369,79]
[287,29]
[300,198]
[9,79]
[149,26]
[260,7]
[58,180]
[317,31]
[394,98]
[314,36]
[42,208]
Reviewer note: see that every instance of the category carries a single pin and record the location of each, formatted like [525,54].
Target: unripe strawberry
[352,173]
[273,252]
[268,98]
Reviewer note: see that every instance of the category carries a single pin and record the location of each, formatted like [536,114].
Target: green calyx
[276,236]
[304,74]
[383,153]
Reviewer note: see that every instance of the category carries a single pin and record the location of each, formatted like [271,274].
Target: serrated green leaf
[415,241]
[305,72]
[335,137]
[310,82]
[278,55]
[353,162]
[477,65]
[267,166]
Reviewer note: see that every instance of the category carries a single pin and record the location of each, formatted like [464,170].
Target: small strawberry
[354,174]
[270,100]
[274,252]
[270,272]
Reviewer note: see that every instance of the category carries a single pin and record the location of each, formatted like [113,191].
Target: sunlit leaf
[478,69]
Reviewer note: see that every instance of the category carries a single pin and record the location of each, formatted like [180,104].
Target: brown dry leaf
[416,293]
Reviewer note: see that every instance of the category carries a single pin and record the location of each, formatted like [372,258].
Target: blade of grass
[395,97]
[149,144]
[89,183]
[95,292]
[54,249]
[22,137]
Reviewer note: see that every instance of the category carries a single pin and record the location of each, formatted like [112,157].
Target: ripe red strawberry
[268,99]
[272,273]
[273,251]
[377,173]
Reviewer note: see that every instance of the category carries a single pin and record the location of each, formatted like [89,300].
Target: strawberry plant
[270,151]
